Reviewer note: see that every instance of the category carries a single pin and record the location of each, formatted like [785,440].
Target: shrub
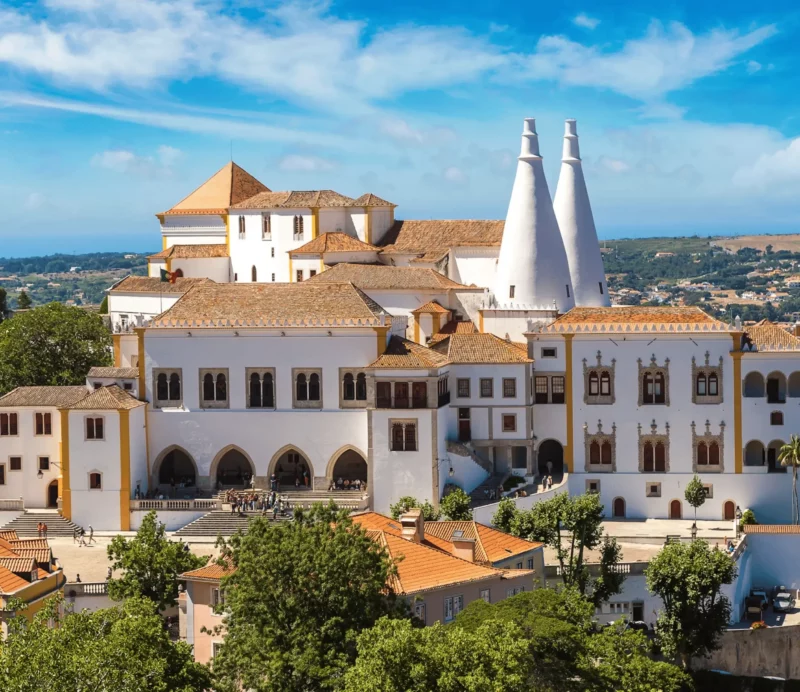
[429,512]
[748,518]
[513,482]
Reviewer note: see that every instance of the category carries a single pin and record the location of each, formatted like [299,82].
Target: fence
[78,589]
[204,504]
[626,568]
[12,505]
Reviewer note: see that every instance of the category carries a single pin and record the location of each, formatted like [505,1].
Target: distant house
[792,282]
[74,269]
[664,254]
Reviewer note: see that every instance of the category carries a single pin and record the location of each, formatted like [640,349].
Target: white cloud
[753,67]
[613,165]
[34,200]
[454,174]
[774,172]
[401,131]
[124,161]
[666,59]
[584,21]
[305,164]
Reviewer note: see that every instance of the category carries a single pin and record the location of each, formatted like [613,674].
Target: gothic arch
[212,472]
[282,452]
[156,470]
[338,453]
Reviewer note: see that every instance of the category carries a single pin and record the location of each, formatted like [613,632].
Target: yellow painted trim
[140,350]
[736,354]
[290,269]
[416,329]
[163,242]
[368,226]
[381,332]
[480,321]
[570,448]
[321,265]
[436,324]
[169,264]
[314,222]
[124,470]
[116,339]
[227,220]
[66,492]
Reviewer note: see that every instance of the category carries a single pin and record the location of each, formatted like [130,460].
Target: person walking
[44,530]
[82,541]
[91,534]
[108,574]
[39,529]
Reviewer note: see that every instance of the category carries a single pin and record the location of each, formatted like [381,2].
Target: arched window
[302,387]
[313,387]
[95,481]
[208,387]
[713,384]
[776,418]
[594,452]
[660,389]
[298,227]
[349,388]
[174,387]
[713,454]
[605,452]
[647,389]
[162,389]
[702,453]
[254,274]
[594,384]
[268,391]
[222,387]
[255,391]
[361,387]
[700,387]
[619,508]
[648,457]
[661,457]
[605,384]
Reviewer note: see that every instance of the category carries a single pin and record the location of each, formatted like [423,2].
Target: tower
[532,270]
[574,214]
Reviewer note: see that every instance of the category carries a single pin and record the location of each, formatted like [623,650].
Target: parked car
[783,602]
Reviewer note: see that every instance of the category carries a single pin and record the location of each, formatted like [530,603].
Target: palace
[314,337]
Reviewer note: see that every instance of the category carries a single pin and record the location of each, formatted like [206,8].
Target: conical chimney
[575,220]
[532,270]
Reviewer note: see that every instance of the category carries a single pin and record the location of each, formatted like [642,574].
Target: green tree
[455,506]
[789,455]
[122,649]
[429,512]
[150,564]
[3,304]
[300,593]
[581,518]
[688,577]
[695,494]
[104,306]
[51,345]
[504,516]
[23,301]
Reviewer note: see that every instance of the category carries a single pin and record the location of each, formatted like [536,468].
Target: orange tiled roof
[110,398]
[295,199]
[454,327]
[636,319]
[431,307]
[402,353]
[9,535]
[44,396]
[370,200]
[212,571]
[491,545]
[153,284]
[116,373]
[205,251]
[29,543]
[10,582]
[479,348]
[434,237]
[387,277]
[42,556]
[230,185]
[18,565]
[335,241]
[767,336]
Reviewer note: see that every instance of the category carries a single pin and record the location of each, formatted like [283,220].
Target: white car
[783,602]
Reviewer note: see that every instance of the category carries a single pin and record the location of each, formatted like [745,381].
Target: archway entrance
[773,450]
[551,451]
[729,511]
[350,466]
[52,495]
[619,508]
[233,470]
[675,510]
[293,471]
[177,468]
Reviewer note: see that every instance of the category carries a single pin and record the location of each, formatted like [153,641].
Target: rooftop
[333,242]
[387,277]
[401,353]
[193,252]
[434,237]
[230,185]
[305,304]
[636,319]
[295,199]
[153,284]
[116,373]
[212,571]
[454,327]
[480,348]
[110,398]
[767,336]
[59,397]
[370,200]
[431,307]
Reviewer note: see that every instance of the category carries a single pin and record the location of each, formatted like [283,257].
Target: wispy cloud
[778,171]
[305,164]
[584,21]
[124,161]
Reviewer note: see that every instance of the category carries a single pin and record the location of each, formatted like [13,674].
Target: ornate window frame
[167,403]
[654,437]
[600,437]
[215,373]
[369,387]
[706,369]
[599,368]
[261,372]
[306,403]
[652,489]
[708,437]
[653,368]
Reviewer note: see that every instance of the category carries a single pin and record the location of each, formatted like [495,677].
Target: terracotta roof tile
[228,186]
[437,236]
[42,556]
[18,565]
[333,242]
[8,535]
[635,318]
[193,252]
[59,397]
[479,348]
[772,528]
[117,373]
[210,571]
[499,546]
[402,353]
[387,277]
[290,304]
[23,543]
[296,199]
[370,200]
[767,336]
[153,284]
[10,582]
[454,327]
[110,398]
[431,307]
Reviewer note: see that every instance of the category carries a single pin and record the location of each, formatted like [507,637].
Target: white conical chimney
[532,269]
[574,214]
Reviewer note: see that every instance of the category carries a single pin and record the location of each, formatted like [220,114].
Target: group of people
[300,479]
[254,502]
[340,484]
[79,536]
[41,529]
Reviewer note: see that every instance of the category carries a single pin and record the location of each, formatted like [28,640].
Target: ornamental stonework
[600,437]
[708,438]
[706,371]
[599,373]
[654,438]
[654,370]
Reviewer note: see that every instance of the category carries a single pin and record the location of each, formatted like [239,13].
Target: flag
[168,276]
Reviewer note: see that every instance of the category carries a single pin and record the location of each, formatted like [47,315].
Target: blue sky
[113,110]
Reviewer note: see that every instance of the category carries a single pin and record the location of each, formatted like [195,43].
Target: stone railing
[203,504]
[78,589]
[626,568]
[12,505]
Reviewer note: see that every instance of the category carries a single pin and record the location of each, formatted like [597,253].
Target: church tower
[532,270]
[574,214]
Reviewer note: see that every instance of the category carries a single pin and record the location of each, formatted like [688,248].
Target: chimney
[463,547]
[413,525]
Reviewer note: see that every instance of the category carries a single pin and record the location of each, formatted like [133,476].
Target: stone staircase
[481,494]
[25,524]
[221,523]
[463,449]
[345,499]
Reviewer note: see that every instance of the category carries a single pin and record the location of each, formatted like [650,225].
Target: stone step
[221,523]
[25,524]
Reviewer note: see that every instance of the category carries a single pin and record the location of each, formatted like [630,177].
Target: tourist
[78,579]
[305,477]
[39,529]
[44,529]
[273,482]
[275,511]
[549,468]
[81,534]
[108,574]
[91,534]
[297,481]
[75,533]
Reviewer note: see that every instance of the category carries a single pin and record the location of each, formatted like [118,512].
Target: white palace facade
[313,336]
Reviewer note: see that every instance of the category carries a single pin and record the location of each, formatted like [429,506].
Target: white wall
[332,220]
[484,513]
[172,519]
[381,220]
[193,230]
[154,267]
[147,305]
[473,265]
[138,447]
[215,268]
